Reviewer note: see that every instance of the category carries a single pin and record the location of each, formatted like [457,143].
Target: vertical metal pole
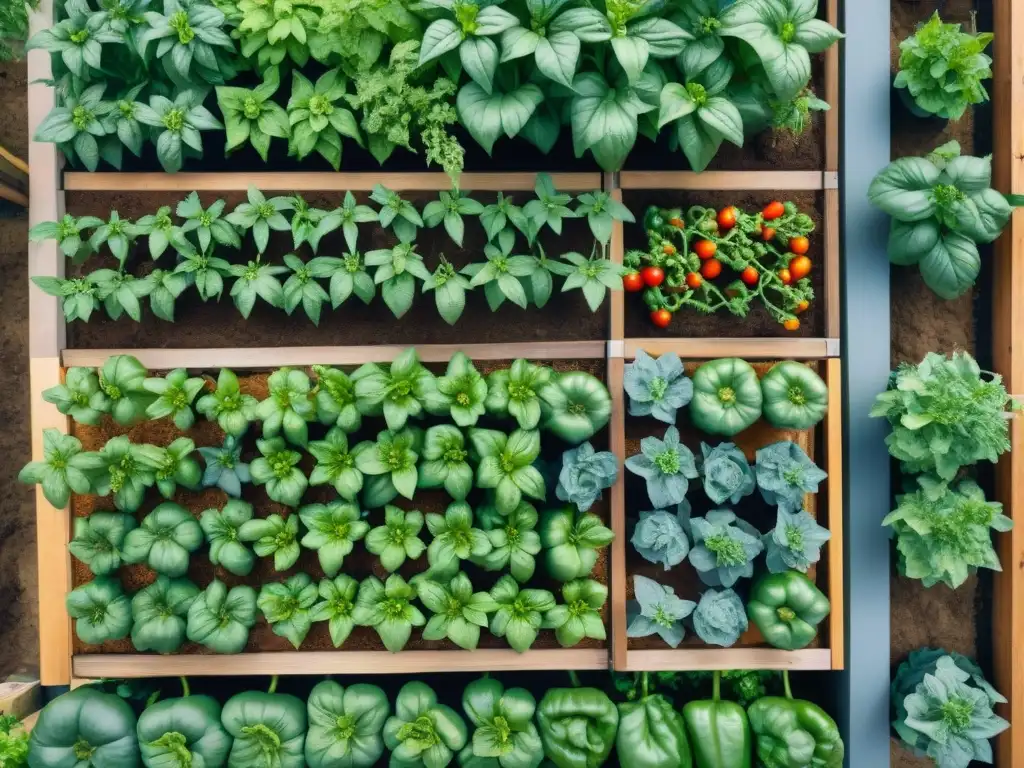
[864,687]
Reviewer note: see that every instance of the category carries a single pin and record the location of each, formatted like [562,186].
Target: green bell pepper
[795,397]
[718,731]
[726,397]
[505,734]
[577,726]
[792,733]
[269,729]
[423,733]
[651,733]
[575,406]
[164,540]
[183,733]
[84,729]
[787,607]
[345,725]
[571,542]
[221,619]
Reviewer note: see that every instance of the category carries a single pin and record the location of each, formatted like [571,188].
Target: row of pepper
[352,726]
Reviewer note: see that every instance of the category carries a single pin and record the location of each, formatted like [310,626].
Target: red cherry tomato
[694,281]
[767,233]
[652,276]
[677,222]
[661,318]
[711,269]
[785,276]
[632,282]
[727,217]
[802,306]
[705,249]
[799,267]
[749,276]
[799,245]
[668,249]
[773,210]
[791,324]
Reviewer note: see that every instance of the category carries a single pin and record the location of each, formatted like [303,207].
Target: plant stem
[574,678]
[185,690]
[643,684]
[273,685]
[785,683]
[717,686]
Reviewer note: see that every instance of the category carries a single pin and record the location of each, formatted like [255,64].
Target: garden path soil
[18,582]
[922,323]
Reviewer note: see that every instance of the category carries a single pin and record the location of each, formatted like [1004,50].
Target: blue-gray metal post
[865,89]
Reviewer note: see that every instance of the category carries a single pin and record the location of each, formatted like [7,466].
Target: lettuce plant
[458,611]
[79,396]
[514,543]
[273,535]
[252,115]
[397,539]
[720,617]
[795,542]
[331,530]
[661,537]
[392,458]
[288,407]
[336,402]
[336,464]
[657,387]
[785,474]
[585,474]
[515,391]
[462,390]
[221,619]
[222,528]
[519,613]
[174,395]
[319,117]
[164,540]
[444,462]
[724,548]
[228,406]
[287,607]
[506,465]
[122,382]
[225,468]
[124,470]
[387,607]
[173,465]
[98,540]
[580,615]
[277,468]
[455,539]
[336,606]
[727,473]
[399,392]
[667,466]
[657,610]
[945,535]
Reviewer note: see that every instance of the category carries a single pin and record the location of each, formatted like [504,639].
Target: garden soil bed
[359,564]
[690,323]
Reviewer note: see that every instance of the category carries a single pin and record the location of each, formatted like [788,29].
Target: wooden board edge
[53,532]
[277,357]
[748,349]
[832,92]
[617,580]
[321,182]
[337,662]
[723,180]
[833,427]
[616,253]
[714,659]
[831,264]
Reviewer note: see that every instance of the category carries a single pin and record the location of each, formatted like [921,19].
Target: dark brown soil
[359,564]
[683,578]
[219,324]
[689,323]
[18,578]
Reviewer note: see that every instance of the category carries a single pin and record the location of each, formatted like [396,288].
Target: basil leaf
[951,266]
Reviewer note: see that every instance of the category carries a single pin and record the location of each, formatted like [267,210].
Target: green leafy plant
[704,116]
[506,465]
[941,206]
[387,607]
[945,415]
[336,464]
[657,610]
[190,42]
[287,607]
[223,532]
[724,548]
[121,469]
[173,465]
[14,739]
[514,542]
[100,610]
[444,462]
[337,606]
[228,406]
[261,215]
[208,224]
[462,390]
[785,474]
[661,537]
[449,209]
[501,275]
[571,541]
[467,27]
[397,539]
[455,540]
[727,473]
[319,117]
[580,615]
[277,468]
[288,407]
[174,395]
[585,474]
[667,466]
[336,402]
[458,611]
[176,126]
[942,68]
[576,406]
[164,540]
[520,612]
[225,468]
[593,276]
[422,726]
[657,387]
[273,535]
[503,721]
[252,115]
[720,617]
[221,619]
[69,233]
[515,391]
[392,458]
[158,614]
[65,468]
[122,382]
[98,540]
[332,530]
[795,542]
[944,534]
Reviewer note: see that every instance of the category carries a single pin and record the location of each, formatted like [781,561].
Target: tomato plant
[785,276]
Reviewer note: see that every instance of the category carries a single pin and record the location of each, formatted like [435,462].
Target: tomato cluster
[764,252]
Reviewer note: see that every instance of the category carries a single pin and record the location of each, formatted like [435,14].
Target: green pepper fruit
[220,619]
[575,406]
[423,733]
[164,540]
[795,397]
[269,729]
[577,726]
[792,733]
[345,725]
[85,729]
[726,397]
[787,607]
[571,542]
[183,733]
[505,734]
[651,733]
[718,731]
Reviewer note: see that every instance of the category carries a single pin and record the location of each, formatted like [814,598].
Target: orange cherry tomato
[711,269]
[791,324]
[773,210]
[652,276]
[749,276]
[705,249]
[694,281]
[785,276]
[802,306]
[727,217]
[677,222]
[668,249]
[661,318]
[799,267]
[632,282]
[799,245]
[767,233]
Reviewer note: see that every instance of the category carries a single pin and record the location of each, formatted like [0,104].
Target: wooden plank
[1008,357]
[830,263]
[320,182]
[832,92]
[616,252]
[617,581]
[694,659]
[337,662]
[12,195]
[833,427]
[276,357]
[53,532]
[722,180]
[749,349]
[20,166]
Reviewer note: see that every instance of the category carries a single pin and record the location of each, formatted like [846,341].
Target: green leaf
[951,267]
[487,116]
